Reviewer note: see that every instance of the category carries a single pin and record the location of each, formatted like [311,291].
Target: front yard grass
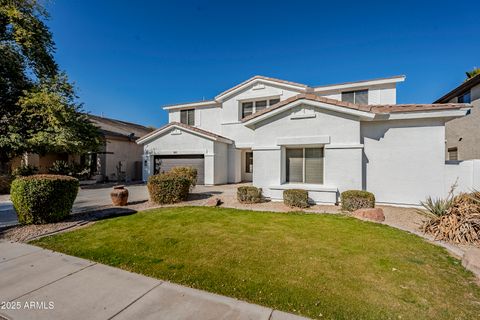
[321,266]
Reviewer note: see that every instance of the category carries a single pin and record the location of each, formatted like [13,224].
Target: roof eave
[357,84]
[464,87]
[363,115]
[426,114]
[256,79]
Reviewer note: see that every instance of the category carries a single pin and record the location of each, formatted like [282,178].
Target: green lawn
[321,266]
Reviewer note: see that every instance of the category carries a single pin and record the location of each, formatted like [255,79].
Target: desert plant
[296,198]
[437,206]
[188,172]
[459,223]
[24,171]
[249,194]
[165,188]
[43,198]
[357,199]
[5,182]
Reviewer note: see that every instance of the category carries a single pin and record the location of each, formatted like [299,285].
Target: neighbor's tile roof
[182,125]
[387,108]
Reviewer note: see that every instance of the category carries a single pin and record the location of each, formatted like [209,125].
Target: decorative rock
[372,214]
[213,202]
[471,260]
[119,195]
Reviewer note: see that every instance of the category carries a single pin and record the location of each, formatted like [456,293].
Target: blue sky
[128,58]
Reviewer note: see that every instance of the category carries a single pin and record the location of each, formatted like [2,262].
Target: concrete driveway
[41,284]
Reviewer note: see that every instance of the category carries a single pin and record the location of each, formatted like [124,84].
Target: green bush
[357,199]
[296,198]
[249,194]
[43,198]
[69,169]
[5,182]
[24,171]
[168,187]
[188,172]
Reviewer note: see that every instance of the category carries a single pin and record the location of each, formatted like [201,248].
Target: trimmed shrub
[168,187]
[296,198]
[43,198]
[357,199]
[188,172]
[24,171]
[5,182]
[249,194]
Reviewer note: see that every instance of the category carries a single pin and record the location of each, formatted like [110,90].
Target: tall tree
[39,111]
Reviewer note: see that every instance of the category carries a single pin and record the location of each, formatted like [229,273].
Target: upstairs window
[187,117]
[357,97]
[250,107]
[465,98]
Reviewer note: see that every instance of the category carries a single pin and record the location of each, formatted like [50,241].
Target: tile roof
[114,127]
[263,78]
[191,128]
[392,108]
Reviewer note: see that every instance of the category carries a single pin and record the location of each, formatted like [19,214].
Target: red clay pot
[119,196]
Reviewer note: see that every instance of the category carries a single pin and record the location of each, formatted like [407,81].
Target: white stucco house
[325,139]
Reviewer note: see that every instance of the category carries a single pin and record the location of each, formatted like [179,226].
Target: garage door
[167,162]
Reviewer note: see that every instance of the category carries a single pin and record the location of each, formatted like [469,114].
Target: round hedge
[165,188]
[43,198]
[357,199]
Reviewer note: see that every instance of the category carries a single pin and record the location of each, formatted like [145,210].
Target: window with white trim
[249,107]
[187,117]
[358,97]
[304,165]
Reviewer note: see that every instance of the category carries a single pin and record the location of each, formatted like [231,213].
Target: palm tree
[472,73]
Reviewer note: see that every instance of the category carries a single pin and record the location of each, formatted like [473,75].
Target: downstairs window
[304,165]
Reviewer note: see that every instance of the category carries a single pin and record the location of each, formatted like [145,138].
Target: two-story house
[463,134]
[324,139]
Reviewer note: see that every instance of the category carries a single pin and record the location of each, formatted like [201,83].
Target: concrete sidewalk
[41,284]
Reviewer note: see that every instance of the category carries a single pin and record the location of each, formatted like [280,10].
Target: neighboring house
[326,139]
[463,135]
[119,157]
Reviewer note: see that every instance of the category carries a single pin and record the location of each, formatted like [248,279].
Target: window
[250,107]
[249,162]
[465,98]
[187,117]
[305,165]
[260,105]
[273,101]
[358,97]
[453,153]
[247,109]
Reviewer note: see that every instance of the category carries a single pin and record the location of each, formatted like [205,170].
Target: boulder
[471,260]
[213,202]
[372,214]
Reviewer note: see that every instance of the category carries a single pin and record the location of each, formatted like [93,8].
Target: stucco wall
[205,117]
[464,133]
[221,163]
[127,152]
[378,94]
[403,160]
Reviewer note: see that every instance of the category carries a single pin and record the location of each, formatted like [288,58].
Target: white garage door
[166,162]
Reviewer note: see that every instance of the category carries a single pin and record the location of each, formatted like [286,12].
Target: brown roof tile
[201,131]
